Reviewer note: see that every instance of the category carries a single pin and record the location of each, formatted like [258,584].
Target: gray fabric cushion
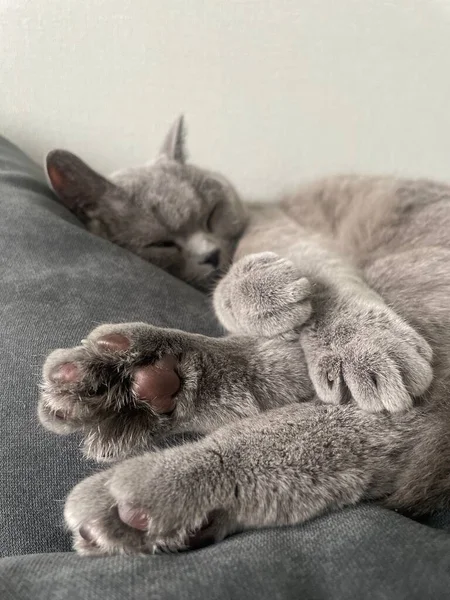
[57,282]
[362,553]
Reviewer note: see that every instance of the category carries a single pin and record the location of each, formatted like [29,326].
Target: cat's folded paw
[164,501]
[366,352]
[263,294]
[125,385]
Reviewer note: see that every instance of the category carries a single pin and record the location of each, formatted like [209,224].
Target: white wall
[273,90]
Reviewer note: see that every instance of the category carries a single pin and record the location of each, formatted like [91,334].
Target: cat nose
[213,258]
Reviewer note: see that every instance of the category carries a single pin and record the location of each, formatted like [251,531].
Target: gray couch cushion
[363,553]
[57,282]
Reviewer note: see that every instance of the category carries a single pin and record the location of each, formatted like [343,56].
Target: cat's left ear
[173,147]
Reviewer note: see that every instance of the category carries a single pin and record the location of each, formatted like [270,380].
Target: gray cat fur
[331,389]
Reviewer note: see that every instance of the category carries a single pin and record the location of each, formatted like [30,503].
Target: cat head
[177,216]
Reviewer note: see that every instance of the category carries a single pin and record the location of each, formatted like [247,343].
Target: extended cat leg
[129,385]
[282,467]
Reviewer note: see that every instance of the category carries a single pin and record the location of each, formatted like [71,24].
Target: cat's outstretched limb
[282,467]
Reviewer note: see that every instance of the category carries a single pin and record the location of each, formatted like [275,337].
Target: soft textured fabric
[362,553]
[57,282]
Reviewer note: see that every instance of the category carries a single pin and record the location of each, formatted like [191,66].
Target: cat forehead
[156,178]
[166,192]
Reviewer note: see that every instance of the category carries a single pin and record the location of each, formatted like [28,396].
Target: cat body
[331,389]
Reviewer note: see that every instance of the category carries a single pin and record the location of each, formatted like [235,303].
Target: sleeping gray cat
[338,302]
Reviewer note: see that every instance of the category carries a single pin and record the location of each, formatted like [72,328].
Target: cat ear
[78,186]
[173,145]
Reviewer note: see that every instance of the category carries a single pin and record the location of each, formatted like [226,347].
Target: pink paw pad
[137,518]
[157,384]
[66,373]
[87,533]
[114,341]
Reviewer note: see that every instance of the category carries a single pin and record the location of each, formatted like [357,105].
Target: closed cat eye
[209,221]
[162,244]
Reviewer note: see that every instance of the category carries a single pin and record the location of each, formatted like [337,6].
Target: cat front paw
[263,294]
[165,501]
[123,387]
[368,353]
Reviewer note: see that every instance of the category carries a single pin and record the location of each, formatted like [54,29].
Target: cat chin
[207,283]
